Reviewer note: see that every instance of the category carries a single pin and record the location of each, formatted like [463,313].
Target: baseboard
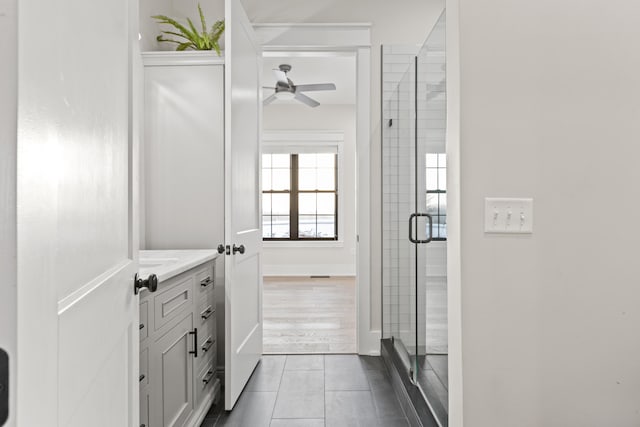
[309,270]
[369,343]
[201,412]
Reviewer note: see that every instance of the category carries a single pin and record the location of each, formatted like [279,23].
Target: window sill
[303,244]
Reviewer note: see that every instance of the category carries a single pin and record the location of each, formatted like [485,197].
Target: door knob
[150,284]
[238,249]
[224,249]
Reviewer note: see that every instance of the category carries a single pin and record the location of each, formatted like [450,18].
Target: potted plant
[188,36]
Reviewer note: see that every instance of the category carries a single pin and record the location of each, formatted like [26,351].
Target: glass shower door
[431,201]
[398,189]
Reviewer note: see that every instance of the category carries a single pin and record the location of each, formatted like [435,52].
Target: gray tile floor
[313,391]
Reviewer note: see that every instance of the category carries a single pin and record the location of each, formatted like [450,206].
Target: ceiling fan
[285,89]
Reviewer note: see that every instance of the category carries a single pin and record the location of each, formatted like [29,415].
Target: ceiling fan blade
[269,100]
[281,77]
[268,87]
[306,100]
[315,87]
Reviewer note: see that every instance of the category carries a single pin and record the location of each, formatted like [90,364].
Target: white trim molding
[355,39]
[187,57]
[454,244]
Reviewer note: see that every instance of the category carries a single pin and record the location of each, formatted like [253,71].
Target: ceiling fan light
[285,95]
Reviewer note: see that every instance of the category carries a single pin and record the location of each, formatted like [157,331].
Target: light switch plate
[502,215]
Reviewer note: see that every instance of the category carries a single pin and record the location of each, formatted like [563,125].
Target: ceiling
[307,69]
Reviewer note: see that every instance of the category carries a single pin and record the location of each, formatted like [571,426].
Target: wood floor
[309,315]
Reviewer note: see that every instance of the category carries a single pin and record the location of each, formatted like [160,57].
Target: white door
[77,312]
[243,269]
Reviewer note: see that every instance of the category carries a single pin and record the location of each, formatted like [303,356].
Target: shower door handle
[413,217]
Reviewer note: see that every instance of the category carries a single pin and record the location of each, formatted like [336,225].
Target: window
[436,183]
[300,195]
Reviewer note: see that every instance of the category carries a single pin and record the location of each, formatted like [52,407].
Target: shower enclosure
[414,226]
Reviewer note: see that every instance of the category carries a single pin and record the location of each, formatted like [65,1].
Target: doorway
[309,202]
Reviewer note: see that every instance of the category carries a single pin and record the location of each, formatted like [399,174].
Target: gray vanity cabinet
[178,343]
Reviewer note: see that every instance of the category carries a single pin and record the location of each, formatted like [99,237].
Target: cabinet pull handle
[206,282]
[207,345]
[141,326]
[208,377]
[141,378]
[195,342]
[207,313]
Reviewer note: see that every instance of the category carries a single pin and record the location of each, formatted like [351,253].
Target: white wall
[550,109]
[8,135]
[304,261]
[397,22]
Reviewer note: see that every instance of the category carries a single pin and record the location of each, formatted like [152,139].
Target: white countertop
[169,263]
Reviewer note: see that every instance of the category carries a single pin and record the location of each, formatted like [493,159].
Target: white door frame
[356,39]
[8,145]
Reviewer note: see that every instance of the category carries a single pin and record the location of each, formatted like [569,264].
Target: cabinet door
[172,375]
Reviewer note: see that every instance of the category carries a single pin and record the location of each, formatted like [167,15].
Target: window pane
[440,226]
[281,161]
[442,179]
[280,227]
[266,179]
[432,204]
[443,204]
[432,160]
[326,179]
[281,179]
[307,226]
[326,226]
[307,179]
[266,161]
[307,203]
[280,204]
[266,226]
[326,203]
[326,160]
[432,179]
[306,160]
[266,204]
[442,160]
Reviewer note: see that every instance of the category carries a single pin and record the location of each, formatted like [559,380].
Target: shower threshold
[425,404]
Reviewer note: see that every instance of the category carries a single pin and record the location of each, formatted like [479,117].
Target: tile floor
[313,391]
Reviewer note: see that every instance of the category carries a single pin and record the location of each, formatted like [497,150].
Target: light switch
[503,215]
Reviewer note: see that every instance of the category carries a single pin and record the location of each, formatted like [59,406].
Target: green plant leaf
[166,20]
[183,46]
[202,21]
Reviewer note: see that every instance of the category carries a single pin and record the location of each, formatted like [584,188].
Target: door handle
[238,249]
[4,386]
[150,284]
[414,216]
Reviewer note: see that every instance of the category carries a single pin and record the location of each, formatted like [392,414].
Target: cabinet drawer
[144,368]
[173,302]
[207,380]
[205,277]
[144,320]
[206,307]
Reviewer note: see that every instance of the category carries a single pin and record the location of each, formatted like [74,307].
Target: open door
[77,221]
[243,268]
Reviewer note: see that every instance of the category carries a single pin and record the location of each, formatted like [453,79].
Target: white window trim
[284,138]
